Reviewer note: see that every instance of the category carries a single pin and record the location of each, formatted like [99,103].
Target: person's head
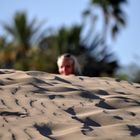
[68,64]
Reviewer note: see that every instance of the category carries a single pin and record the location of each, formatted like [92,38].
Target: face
[66,67]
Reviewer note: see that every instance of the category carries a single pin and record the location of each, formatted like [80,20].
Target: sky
[58,13]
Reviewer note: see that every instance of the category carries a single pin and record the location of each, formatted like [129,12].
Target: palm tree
[94,62]
[113,15]
[23,33]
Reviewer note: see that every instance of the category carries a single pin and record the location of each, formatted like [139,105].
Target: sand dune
[42,106]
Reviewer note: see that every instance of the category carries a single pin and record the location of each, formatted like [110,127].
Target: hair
[77,68]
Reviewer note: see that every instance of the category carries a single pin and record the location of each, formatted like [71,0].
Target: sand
[36,105]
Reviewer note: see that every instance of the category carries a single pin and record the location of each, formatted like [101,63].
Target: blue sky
[58,13]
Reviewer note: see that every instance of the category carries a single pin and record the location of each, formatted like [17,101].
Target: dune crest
[36,105]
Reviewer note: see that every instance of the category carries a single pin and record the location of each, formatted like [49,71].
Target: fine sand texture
[36,105]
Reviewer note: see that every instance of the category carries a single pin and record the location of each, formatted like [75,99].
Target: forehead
[67,60]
